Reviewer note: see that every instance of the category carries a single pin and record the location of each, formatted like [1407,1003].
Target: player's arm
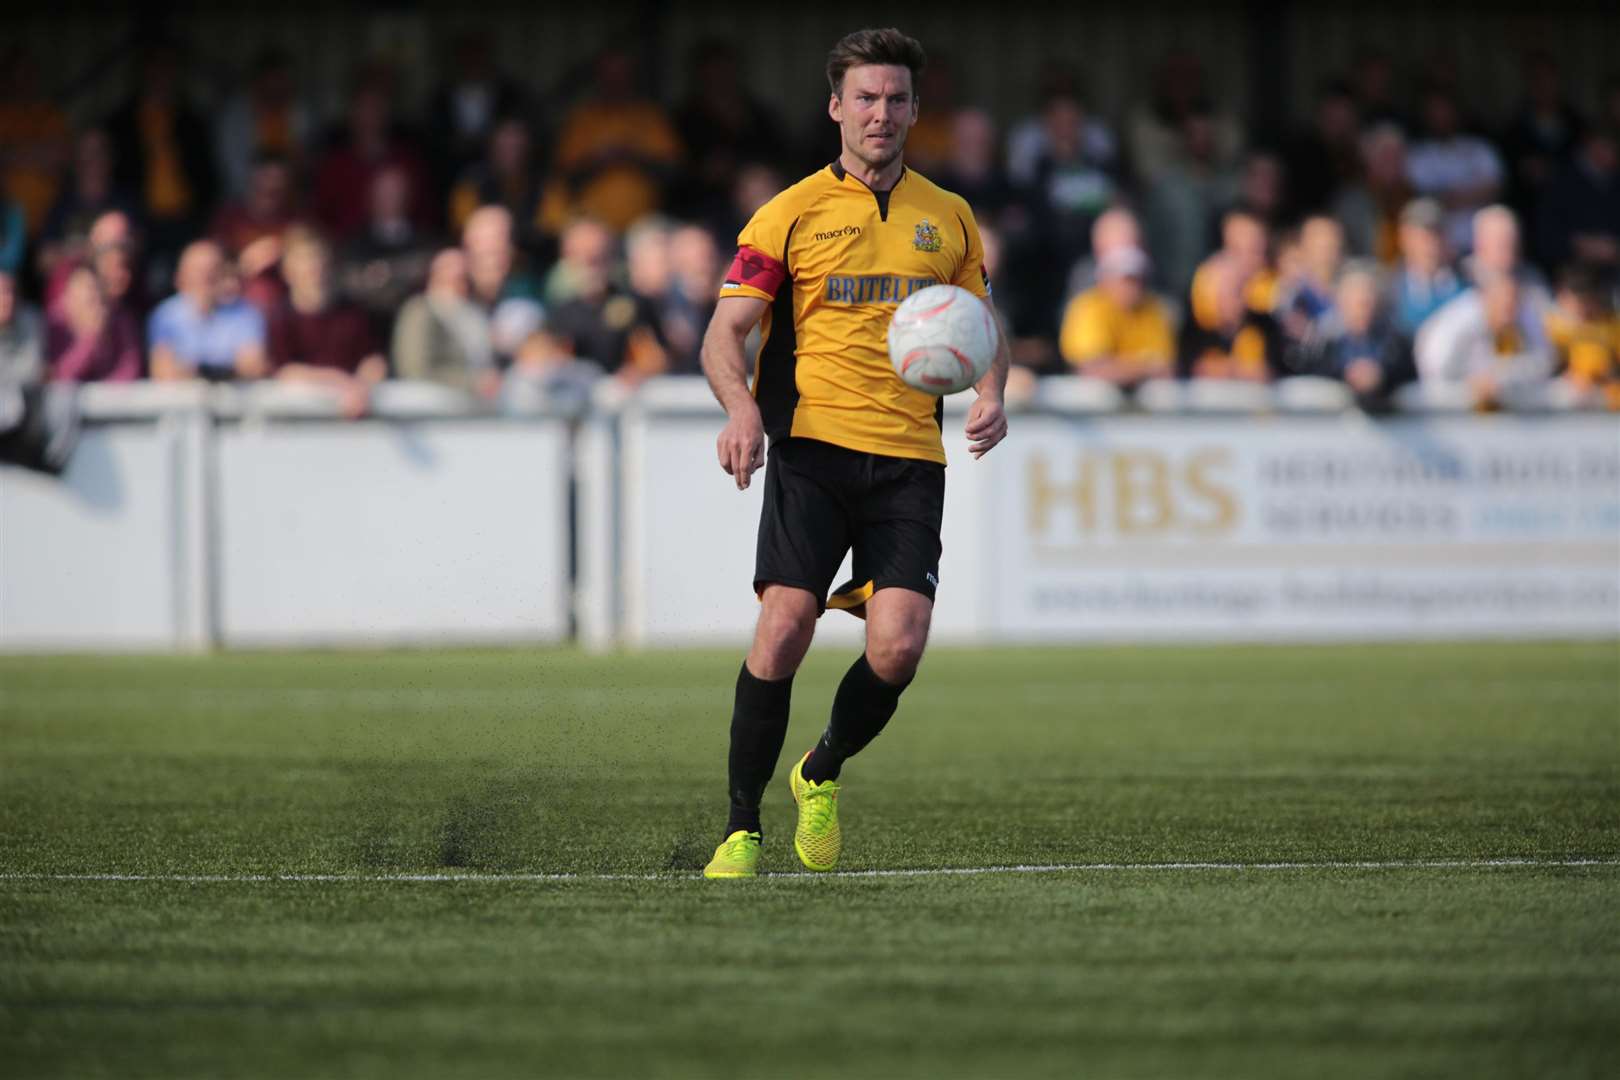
[741,446]
[987,418]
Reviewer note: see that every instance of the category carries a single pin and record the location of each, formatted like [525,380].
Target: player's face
[875,111]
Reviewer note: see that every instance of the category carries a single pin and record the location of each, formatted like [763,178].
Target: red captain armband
[756,270]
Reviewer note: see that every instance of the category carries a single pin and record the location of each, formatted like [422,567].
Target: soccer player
[855,454]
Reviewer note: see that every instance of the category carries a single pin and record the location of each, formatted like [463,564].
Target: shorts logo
[932,579]
[926,237]
[836,234]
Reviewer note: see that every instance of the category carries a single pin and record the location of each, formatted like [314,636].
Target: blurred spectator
[33,139]
[1262,188]
[1372,78]
[1487,338]
[317,338]
[1182,199]
[1580,210]
[928,145]
[1586,335]
[1355,341]
[22,337]
[1459,170]
[1542,135]
[90,339]
[970,167]
[1424,281]
[112,250]
[369,144]
[13,237]
[205,330]
[1068,186]
[441,336]
[506,294]
[265,121]
[265,209]
[1370,207]
[505,175]
[388,260]
[615,151]
[1327,156]
[89,193]
[597,319]
[722,126]
[1030,138]
[1160,128]
[1497,251]
[1115,229]
[1307,292]
[164,152]
[464,111]
[1118,331]
[1226,335]
[683,314]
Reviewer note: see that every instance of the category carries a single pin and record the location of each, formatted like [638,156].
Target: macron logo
[932,580]
[847,230]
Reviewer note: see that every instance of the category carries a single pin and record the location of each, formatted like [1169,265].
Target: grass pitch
[245,768]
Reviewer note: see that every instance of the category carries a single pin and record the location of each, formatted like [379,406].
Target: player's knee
[894,657]
[782,638]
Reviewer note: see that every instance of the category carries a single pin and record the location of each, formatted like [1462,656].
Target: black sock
[759,721]
[861,707]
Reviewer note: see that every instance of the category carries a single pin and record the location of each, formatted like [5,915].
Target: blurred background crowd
[234,225]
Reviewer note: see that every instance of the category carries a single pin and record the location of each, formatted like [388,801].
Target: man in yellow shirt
[856,460]
[1117,330]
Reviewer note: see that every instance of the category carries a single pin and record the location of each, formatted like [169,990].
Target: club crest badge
[926,237]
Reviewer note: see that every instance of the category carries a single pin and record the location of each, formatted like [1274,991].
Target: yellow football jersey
[835,258]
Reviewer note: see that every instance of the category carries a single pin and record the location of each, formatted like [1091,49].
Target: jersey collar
[882,197]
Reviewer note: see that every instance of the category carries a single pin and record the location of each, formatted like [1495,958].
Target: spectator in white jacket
[1488,339]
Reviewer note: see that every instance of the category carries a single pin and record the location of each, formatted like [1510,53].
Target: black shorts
[822,500]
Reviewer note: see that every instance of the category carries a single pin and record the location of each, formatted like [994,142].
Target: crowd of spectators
[499,228]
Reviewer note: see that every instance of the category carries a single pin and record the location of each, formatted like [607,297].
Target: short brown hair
[887,46]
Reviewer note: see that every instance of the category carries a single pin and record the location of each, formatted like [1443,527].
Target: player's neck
[877,179]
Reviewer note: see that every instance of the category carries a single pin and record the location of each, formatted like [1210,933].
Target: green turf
[487,763]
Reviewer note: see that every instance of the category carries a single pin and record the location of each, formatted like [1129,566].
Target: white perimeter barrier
[194,516]
[175,529]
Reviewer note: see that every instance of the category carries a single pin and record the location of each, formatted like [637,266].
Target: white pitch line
[938,871]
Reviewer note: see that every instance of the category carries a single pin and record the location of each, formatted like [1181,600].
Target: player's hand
[986,425]
[741,445]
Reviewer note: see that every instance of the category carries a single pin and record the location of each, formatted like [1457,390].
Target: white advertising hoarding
[1277,527]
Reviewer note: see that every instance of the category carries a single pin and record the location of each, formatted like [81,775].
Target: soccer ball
[942,339]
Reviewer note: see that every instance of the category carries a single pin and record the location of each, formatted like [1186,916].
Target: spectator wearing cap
[1489,339]
[1425,281]
[441,336]
[206,330]
[1461,171]
[1355,341]
[22,337]
[1117,330]
[1580,213]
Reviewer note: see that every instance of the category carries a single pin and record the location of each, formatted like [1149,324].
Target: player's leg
[803,535]
[897,550]
[897,622]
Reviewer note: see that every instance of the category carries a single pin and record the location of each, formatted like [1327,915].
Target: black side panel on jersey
[776,385]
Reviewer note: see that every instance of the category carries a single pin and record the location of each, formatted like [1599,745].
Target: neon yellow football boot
[736,857]
[816,838]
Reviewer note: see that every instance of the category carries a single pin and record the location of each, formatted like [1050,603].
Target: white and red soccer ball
[942,339]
